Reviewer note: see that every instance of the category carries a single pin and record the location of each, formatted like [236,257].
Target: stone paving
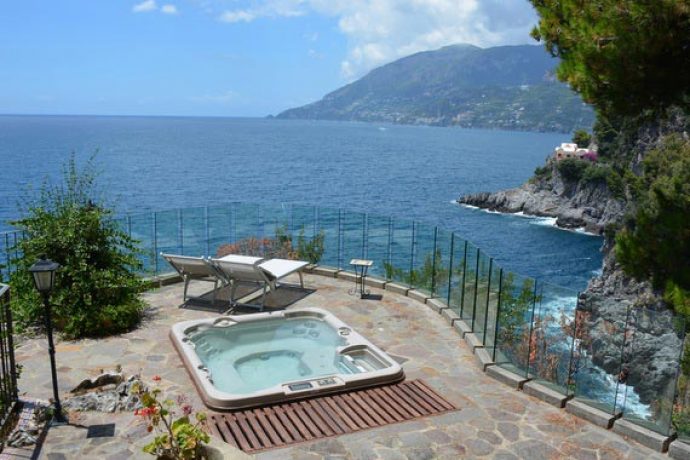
[494,421]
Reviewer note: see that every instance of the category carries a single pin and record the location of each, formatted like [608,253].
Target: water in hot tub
[248,357]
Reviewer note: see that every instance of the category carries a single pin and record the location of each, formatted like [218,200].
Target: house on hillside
[570,150]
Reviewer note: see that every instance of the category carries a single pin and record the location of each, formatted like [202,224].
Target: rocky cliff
[627,320]
[590,206]
[651,345]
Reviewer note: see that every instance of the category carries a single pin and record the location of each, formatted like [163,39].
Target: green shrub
[582,138]
[310,250]
[604,174]
[97,289]
[655,243]
[542,172]
[572,169]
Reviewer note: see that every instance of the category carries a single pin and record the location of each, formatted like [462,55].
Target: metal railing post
[498,313]
[180,231]
[412,244]
[488,299]
[389,250]
[154,242]
[572,350]
[206,231]
[531,328]
[464,272]
[340,239]
[450,269]
[433,263]
[365,233]
[476,289]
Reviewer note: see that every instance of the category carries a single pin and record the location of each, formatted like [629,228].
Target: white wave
[534,220]
[545,221]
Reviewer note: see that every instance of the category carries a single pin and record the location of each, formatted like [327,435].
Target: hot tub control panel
[300,386]
[312,385]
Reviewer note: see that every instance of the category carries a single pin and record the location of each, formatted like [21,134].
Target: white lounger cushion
[280,268]
[241,259]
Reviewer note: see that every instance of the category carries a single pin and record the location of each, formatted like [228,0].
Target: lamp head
[43,272]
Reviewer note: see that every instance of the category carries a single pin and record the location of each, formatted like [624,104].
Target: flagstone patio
[494,421]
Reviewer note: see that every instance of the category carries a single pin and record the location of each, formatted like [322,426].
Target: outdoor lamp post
[43,272]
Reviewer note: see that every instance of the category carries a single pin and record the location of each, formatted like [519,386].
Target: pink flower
[156,378]
[186,409]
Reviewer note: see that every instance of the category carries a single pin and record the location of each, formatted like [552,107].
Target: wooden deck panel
[285,424]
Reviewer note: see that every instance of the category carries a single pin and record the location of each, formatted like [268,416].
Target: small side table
[360,266]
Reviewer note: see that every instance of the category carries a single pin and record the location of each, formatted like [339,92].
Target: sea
[408,172]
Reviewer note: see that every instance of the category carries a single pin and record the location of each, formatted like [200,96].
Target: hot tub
[263,358]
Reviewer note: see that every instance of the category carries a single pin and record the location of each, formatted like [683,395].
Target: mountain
[506,87]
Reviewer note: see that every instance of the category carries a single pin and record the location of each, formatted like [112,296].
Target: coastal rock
[590,207]
[650,348]
[644,343]
[108,398]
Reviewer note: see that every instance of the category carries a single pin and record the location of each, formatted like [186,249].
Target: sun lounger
[236,269]
[193,268]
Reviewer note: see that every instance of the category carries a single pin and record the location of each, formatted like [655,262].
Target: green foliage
[543,172]
[623,56]
[572,169]
[582,138]
[177,438]
[604,174]
[97,290]
[425,277]
[655,244]
[515,304]
[311,250]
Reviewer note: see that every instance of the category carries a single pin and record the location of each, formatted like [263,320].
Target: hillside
[506,87]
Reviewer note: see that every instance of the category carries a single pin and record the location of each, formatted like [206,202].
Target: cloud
[312,53]
[150,5]
[145,6]
[237,16]
[169,9]
[379,31]
[266,9]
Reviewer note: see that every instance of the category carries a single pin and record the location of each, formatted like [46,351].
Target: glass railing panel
[493,306]
[458,270]
[303,222]
[353,237]
[483,278]
[648,392]
[274,220]
[597,357]
[469,293]
[193,230]
[441,274]
[518,301]
[378,242]
[141,228]
[9,252]
[681,408]
[328,224]
[168,237]
[247,229]
[220,228]
[398,267]
[421,272]
[552,337]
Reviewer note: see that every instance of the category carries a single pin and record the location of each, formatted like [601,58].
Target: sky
[222,57]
